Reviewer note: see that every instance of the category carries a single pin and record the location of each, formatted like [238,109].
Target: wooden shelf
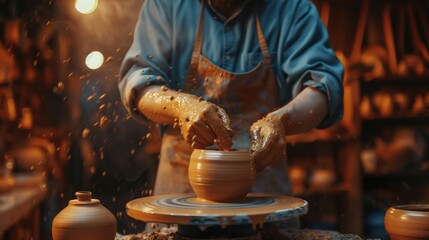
[396,84]
[327,135]
[398,81]
[411,174]
[341,188]
[410,117]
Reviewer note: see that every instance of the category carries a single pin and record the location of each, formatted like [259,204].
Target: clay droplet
[102,107]
[90,98]
[85,133]
[109,59]
[60,86]
[104,121]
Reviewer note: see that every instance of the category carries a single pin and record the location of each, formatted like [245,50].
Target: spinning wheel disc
[187,209]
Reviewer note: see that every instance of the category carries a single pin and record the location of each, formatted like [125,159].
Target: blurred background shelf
[397,81]
[331,135]
[337,189]
[416,175]
[404,118]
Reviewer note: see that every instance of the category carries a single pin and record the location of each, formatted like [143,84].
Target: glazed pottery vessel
[84,218]
[221,176]
[407,222]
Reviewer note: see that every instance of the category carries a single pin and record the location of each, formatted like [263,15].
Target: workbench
[21,205]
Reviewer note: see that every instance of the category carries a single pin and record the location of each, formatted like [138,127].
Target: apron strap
[195,58]
[199,36]
[263,43]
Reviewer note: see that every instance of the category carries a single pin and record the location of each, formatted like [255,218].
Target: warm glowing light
[86,6]
[94,60]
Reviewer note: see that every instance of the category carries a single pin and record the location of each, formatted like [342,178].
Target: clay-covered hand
[203,124]
[268,145]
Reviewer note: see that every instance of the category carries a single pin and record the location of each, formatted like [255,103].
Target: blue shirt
[298,41]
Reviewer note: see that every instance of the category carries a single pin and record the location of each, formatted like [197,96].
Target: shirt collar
[234,15]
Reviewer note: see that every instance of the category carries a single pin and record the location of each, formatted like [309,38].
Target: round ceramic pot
[407,222]
[84,218]
[221,176]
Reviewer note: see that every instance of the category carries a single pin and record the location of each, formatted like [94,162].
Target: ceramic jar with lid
[84,218]
[221,176]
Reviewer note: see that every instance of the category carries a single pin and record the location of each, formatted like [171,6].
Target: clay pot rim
[218,155]
[412,208]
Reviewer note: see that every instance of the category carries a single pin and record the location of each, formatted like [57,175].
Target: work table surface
[18,203]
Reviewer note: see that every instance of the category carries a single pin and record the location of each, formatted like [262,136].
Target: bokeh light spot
[94,60]
[86,6]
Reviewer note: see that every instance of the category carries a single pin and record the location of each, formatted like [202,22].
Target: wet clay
[221,176]
[407,222]
[187,209]
[267,141]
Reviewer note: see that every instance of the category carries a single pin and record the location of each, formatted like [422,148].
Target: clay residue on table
[297,234]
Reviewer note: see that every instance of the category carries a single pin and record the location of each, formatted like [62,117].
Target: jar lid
[84,198]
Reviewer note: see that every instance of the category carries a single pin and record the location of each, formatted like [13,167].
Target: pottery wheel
[187,209]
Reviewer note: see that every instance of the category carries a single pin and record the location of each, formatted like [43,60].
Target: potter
[223,74]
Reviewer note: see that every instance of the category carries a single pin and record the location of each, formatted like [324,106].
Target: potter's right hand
[203,123]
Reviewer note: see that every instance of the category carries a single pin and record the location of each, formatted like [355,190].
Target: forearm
[160,104]
[304,112]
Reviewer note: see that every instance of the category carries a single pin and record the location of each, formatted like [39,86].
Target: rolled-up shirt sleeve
[310,62]
[148,59]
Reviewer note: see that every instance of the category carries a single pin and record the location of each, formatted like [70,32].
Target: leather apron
[246,97]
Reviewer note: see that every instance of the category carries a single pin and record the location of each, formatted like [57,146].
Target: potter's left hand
[267,141]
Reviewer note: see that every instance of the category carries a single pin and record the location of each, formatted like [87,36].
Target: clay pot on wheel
[85,219]
[221,176]
[407,222]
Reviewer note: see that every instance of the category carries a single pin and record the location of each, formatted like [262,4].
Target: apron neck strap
[262,42]
[200,32]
